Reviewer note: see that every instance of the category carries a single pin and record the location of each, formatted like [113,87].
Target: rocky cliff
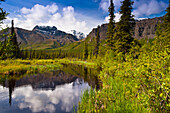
[146,28]
[143,29]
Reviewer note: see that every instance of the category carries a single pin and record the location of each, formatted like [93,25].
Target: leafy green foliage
[3,14]
[135,75]
[137,85]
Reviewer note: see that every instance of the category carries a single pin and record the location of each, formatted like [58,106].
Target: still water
[51,92]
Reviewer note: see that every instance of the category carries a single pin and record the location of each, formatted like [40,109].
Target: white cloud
[3,92]
[104,4]
[63,97]
[141,7]
[117,18]
[49,15]
[68,19]
[148,7]
[45,101]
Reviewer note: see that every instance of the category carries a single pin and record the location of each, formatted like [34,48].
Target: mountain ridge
[39,39]
[49,37]
[144,28]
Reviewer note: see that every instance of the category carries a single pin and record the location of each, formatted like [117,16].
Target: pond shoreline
[18,67]
[65,85]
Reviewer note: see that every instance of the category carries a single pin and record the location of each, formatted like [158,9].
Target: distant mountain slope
[46,37]
[143,29]
[43,37]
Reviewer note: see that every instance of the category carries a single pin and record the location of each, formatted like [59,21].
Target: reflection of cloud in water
[44,101]
[3,92]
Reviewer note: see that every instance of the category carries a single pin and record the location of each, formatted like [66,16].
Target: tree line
[119,35]
[119,40]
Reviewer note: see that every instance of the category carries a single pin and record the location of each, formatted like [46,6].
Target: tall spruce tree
[16,51]
[111,25]
[122,37]
[96,49]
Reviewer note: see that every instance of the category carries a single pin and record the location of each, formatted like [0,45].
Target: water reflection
[63,97]
[11,89]
[55,91]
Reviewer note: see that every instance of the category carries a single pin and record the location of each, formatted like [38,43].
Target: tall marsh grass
[112,98]
[16,67]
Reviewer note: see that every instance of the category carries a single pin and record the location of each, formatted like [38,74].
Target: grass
[17,67]
[110,99]
[77,62]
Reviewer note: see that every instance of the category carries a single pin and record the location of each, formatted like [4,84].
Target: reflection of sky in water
[25,99]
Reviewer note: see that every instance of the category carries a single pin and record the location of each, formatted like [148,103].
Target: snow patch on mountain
[79,35]
[45,29]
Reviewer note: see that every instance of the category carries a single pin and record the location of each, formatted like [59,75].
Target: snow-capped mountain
[79,35]
[43,37]
[48,30]
[53,32]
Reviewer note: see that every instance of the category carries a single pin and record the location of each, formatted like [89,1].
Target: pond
[56,91]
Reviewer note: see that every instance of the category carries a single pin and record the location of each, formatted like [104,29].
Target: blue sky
[80,15]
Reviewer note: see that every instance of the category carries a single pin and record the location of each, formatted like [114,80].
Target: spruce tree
[14,41]
[96,50]
[123,38]
[111,25]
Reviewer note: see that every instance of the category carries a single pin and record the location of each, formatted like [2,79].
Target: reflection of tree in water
[89,75]
[11,84]
[85,73]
